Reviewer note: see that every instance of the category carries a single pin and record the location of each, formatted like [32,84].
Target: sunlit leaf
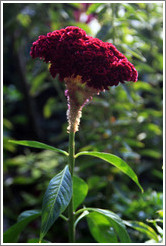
[80,190]
[143,228]
[35,144]
[116,161]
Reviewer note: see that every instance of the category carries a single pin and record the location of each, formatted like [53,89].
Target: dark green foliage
[80,190]
[125,121]
[56,199]
[13,233]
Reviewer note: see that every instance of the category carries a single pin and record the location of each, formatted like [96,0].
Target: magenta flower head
[87,66]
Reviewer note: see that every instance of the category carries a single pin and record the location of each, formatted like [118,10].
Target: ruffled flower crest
[86,65]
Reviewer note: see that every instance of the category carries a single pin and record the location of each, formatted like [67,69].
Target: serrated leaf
[56,199]
[116,161]
[106,226]
[38,145]
[12,234]
[142,227]
[80,190]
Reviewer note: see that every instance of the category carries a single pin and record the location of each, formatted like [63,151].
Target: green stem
[71,167]
[63,217]
[84,209]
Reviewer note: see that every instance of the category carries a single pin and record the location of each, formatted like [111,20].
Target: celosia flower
[87,65]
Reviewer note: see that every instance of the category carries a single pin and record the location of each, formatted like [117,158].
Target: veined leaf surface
[56,199]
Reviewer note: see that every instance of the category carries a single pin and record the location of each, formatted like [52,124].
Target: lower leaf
[56,199]
[12,234]
[105,226]
[142,227]
[101,228]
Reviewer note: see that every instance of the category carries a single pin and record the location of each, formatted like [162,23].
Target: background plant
[130,128]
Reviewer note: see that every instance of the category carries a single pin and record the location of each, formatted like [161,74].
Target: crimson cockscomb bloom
[86,64]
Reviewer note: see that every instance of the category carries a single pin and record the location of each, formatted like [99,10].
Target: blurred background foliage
[127,122]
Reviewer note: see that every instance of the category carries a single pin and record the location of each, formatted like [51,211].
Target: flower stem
[71,167]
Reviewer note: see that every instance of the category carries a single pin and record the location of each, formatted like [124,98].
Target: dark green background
[125,121]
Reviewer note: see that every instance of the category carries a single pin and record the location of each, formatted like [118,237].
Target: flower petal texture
[71,53]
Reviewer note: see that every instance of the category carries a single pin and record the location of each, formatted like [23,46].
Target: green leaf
[80,190]
[35,144]
[142,227]
[101,228]
[116,161]
[12,234]
[56,199]
[106,226]
[28,213]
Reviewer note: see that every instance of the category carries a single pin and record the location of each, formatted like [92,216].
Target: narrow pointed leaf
[116,161]
[38,145]
[80,190]
[56,199]
[13,233]
[142,227]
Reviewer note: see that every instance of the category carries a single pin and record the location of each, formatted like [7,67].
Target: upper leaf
[12,234]
[80,190]
[116,161]
[35,144]
[56,199]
